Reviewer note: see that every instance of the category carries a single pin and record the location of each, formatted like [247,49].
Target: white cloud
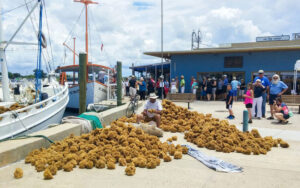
[128,28]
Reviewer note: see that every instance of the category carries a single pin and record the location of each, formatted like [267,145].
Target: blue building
[241,60]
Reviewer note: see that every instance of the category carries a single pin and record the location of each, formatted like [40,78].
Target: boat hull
[95,92]
[37,117]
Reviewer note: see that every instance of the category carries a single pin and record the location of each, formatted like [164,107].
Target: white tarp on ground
[86,125]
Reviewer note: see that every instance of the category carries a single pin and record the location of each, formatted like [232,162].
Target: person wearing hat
[152,110]
[266,83]
[132,86]
[235,85]
[182,84]
[277,88]
[258,99]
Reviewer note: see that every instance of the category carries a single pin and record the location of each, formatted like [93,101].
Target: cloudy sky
[127,28]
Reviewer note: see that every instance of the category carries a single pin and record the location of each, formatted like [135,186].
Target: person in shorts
[132,86]
[152,110]
[249,95]
[229,102]
[277,88]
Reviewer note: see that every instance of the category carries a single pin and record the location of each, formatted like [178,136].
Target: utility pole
[162,42]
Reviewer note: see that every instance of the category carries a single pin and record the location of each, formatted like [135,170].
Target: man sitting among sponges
[152,110]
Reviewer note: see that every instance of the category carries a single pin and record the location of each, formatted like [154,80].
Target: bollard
[119,83]
[82,82]
[245,120]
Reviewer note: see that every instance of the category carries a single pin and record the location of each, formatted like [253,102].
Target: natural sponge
[18,173]
[130,170]
[177,155]
[47,174]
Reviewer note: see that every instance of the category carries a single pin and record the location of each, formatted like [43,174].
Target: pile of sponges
[212,133]
[122,143]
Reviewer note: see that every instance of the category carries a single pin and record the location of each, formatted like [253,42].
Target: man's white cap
[234,78]
[261,71]
[153,96]
[224,75]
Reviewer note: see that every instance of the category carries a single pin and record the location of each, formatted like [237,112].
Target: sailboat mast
[38,76]
[86,3]
[5,80]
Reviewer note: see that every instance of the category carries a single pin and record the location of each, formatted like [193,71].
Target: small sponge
[18,173]
[47,174]
[130,170]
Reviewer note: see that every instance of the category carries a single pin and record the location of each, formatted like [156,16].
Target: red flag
[102,47]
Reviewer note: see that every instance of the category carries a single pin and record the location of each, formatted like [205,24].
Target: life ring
[44,41]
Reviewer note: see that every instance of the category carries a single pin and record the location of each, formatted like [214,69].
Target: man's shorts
[234,93]
[249,105]
[148,119]
[229,106]
[132,91]
[272,98]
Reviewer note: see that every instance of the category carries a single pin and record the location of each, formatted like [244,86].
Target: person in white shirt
[152,110]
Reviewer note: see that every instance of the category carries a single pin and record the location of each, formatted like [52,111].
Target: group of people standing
[256,97]
[144,87]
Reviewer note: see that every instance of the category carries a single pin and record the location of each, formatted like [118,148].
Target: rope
[71,31]
[104,51]
[49,38]
[27,136]
[25,4]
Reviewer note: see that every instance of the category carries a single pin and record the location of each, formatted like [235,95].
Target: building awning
[168,54]
[151,67]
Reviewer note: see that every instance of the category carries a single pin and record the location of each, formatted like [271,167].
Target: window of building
[233,62]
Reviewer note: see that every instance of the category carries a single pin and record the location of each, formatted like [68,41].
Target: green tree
[44,75]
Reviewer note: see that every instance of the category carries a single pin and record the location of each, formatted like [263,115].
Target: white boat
[42,104]
[37,116]
[96,91]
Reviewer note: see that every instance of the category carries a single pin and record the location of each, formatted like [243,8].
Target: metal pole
[38,77]
[162,39]
[132,68]
[245,121]
[108,84]
[82,82]
[5,79]
[162,44]
[74,55]
[119,83]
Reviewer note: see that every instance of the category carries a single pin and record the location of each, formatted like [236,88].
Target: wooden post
[82,82]
[119,83]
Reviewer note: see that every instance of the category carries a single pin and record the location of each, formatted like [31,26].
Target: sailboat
[31,106]
[99,86]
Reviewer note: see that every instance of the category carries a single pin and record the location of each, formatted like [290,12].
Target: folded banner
[213,162]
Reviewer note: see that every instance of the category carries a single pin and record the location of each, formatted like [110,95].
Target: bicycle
[133,106]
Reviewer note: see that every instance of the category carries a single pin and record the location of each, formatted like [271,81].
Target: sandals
[270,118]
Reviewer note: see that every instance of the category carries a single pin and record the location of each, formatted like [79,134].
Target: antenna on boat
[86,3]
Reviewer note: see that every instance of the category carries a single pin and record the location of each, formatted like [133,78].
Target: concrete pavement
[279,168]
